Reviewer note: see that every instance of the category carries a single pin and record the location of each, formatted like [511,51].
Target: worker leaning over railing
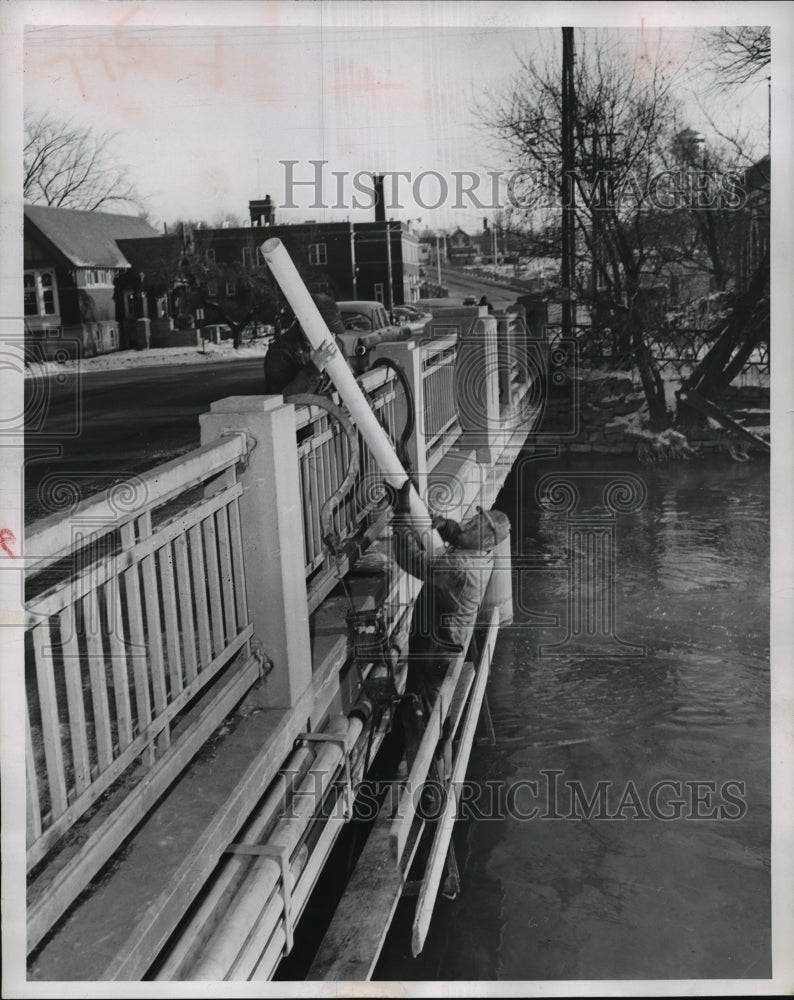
[455,582]
[291,366]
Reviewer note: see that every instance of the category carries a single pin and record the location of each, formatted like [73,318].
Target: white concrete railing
[138,607]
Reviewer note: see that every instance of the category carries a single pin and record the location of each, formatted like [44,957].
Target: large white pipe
[221,951]
[318,334]
[234,868]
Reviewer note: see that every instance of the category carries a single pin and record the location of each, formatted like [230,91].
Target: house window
[212,288]
[40,293]
[98,276]
[252,257]
[209,256]
[317,253]
[231,288]
[379,291]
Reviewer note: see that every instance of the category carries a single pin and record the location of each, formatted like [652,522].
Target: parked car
[415,319]
[366,325]
[469,300]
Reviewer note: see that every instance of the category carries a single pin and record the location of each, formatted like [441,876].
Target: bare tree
[622,122]
[740,53]
[71,166]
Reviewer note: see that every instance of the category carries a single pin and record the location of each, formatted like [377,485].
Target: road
[99,427]
[500,296]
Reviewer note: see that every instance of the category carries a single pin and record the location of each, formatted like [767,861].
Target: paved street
[107,425]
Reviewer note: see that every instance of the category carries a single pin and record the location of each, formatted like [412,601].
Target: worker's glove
[448,529]
[403,501]
[398,499]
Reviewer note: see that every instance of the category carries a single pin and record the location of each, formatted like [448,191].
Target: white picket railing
[137,604]
[441,424]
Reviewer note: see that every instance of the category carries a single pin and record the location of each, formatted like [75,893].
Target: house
[461,249]
[72,262]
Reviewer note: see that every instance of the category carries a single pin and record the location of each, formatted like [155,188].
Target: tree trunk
[652,383]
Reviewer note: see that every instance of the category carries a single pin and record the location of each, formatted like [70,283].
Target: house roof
[87,239]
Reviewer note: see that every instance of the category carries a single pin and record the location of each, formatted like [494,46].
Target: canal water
[620,826]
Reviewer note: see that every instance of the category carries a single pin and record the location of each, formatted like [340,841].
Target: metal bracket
[275,852]
[249,442]
[340,741]
[261,657]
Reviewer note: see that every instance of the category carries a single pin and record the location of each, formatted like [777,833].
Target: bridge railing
[136,608]
[324,456]
[151,609]
[676,350]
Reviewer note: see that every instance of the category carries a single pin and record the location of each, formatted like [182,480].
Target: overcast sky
[205,111]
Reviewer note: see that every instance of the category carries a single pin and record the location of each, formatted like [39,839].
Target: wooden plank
[438,852]
[127,757]
[214,583]
[154,632]
[171,620]
[73,678]
[406,810]
[308,534]
[200,595]
[137,649]
[97,673]
[33,810]
[459,699]
[238,563]
[354,939]
[118,663]
[225,561]
[185,590]
[71,880]
[50,721]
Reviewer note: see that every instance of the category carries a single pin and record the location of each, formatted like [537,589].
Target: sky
[206,110]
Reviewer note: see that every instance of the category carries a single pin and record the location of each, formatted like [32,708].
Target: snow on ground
[119,360]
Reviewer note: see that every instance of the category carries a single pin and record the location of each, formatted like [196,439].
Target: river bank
[598,411]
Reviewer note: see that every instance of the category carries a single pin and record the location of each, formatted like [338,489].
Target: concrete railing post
[477,386]
[272,528]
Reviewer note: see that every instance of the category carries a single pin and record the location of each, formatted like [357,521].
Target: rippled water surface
[669,875]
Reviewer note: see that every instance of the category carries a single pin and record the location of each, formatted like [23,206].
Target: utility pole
[353,266]
[568,269]
[388,264]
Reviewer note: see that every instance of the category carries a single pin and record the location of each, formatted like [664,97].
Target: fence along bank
[189,672]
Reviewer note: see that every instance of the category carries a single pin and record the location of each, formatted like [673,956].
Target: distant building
[364,260]
[72,262]
[461,248]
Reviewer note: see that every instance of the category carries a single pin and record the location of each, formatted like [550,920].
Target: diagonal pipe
[319,336]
